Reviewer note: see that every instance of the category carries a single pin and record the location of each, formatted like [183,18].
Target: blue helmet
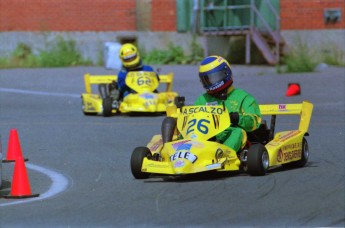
[215,74]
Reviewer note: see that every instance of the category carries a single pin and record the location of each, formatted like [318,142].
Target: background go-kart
[80,164]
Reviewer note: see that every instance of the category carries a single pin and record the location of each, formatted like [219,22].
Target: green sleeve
[200,100]
[250,116]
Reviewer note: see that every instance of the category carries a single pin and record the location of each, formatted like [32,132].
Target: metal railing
[247,21]
[211,10]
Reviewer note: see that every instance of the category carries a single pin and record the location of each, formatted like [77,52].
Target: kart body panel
[286,146]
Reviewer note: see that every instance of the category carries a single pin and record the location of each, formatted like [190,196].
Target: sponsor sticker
[206,109]
[156,145]
[90,107]
[214,166]
[184,155]
[290,152]
[148,96]
[179,164]
[213,103]
[282,107]
[280,156]
[176,145]
[290,134]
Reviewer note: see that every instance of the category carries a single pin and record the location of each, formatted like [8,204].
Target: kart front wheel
[304,157]
[137,158]
[257,160]
[107,106]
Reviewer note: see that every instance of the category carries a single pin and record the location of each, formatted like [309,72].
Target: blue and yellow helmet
[215,74]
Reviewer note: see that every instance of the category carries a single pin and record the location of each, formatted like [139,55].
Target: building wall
[124,15]
[83,15]
[163,15]
[309,14]
[152,23]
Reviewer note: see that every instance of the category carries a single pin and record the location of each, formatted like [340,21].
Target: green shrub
[174,55]
[299,59]
[197,53]
[61,53]
[22,51]
[299,62]
[333,56]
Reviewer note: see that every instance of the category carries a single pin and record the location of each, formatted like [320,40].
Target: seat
[260,135]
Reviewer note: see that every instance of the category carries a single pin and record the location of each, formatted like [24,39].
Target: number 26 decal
[201,126]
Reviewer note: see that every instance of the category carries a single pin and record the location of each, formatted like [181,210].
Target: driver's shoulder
[147,68]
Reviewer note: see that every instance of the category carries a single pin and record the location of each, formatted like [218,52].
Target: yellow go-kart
[186,145]
[144,99]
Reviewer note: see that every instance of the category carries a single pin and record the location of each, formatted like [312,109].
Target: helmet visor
[209,79]
[129,58]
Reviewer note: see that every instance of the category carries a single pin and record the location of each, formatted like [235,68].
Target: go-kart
[187,146]
[144,99]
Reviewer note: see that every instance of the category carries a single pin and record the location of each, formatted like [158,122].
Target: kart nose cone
[151,108]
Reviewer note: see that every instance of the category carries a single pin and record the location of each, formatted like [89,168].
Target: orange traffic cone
[14,150]
[293,89]
[20,182]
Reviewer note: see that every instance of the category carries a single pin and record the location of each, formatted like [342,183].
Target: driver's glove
[234,118]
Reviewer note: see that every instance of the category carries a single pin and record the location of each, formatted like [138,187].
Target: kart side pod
[288,148]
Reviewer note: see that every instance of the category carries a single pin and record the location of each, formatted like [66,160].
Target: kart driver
[131,61]
[216,77]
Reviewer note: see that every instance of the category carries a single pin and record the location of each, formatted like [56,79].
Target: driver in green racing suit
[216,77]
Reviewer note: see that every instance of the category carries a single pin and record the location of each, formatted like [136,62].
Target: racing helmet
[129,56]
[215,75]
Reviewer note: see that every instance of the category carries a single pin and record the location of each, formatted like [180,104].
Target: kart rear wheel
[107,106]
[257,160]
[304,157]
[137,158]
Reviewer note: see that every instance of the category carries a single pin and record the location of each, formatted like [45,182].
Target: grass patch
[304,59]
[299,59]
[61,53]
[174,55]
[333,56]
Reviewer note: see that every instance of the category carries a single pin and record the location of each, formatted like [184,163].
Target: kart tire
[137,158]
[107,106]
[304,158]
[257,160]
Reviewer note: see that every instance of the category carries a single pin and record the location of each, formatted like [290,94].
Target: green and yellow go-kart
[145,98]
[186,146]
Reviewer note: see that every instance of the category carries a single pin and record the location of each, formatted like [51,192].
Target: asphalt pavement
[80,164]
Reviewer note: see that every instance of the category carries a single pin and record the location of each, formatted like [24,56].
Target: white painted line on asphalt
[59,184]
[39,93]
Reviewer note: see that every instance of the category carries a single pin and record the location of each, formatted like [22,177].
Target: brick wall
[82,15]
[163,15]
[121,15]
[67,15]
[308,14]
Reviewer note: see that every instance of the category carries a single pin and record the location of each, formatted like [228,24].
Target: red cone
[14,150]
[20,182]
[293,89]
